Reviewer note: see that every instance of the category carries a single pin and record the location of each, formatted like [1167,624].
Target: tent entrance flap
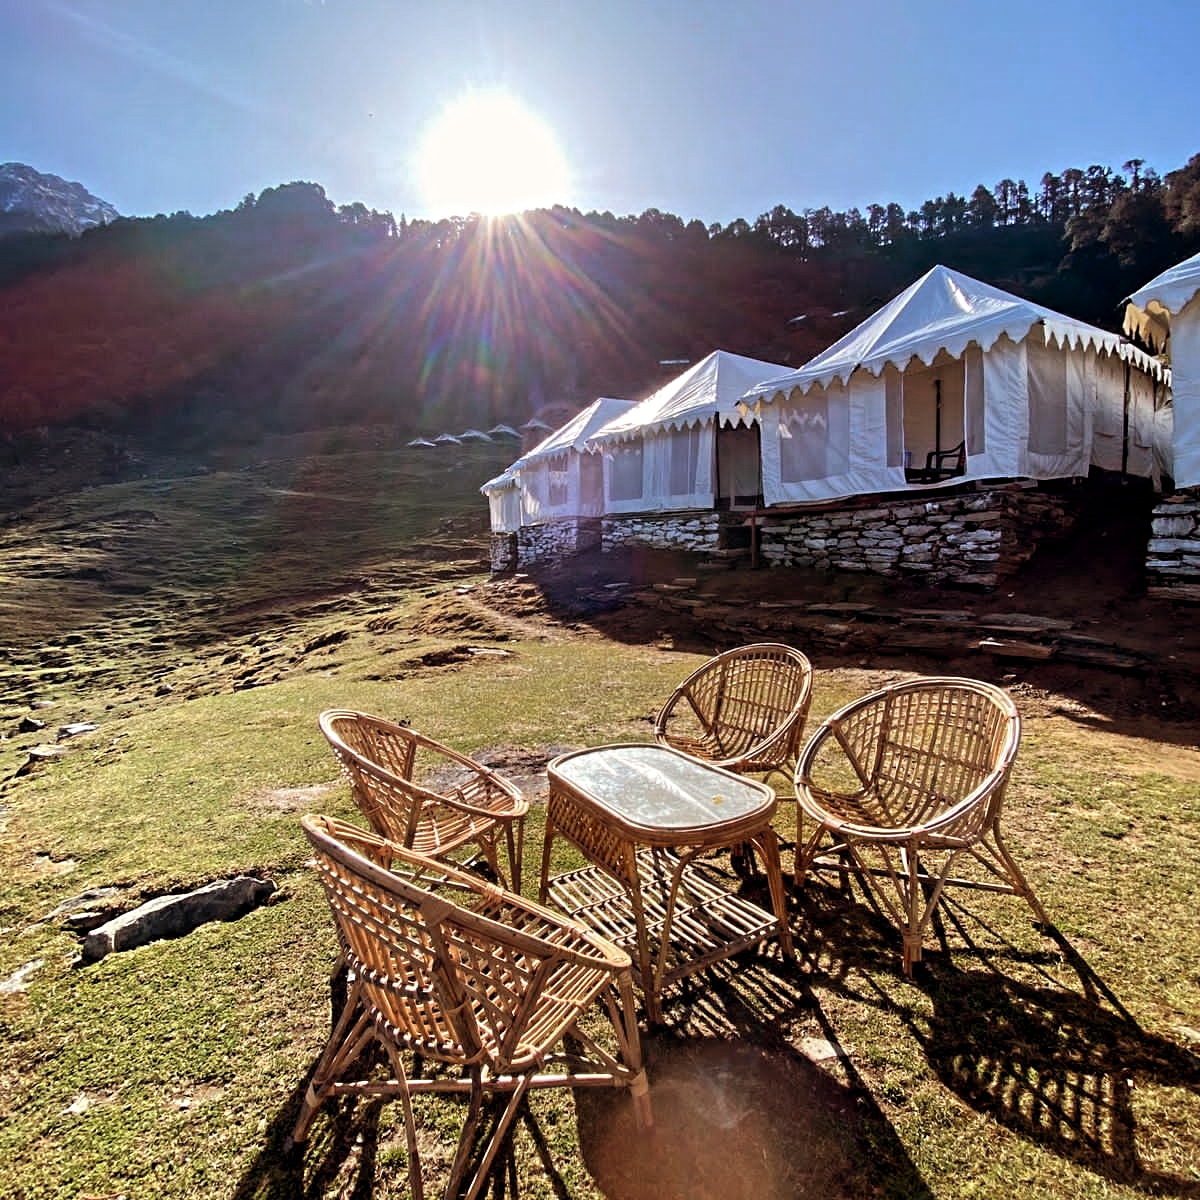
[934,423]
[739,467]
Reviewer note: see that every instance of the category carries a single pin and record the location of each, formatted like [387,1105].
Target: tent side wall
[1185,384]
[561,486]
[831,442]
[504,508]
[1025,410]
[662,471]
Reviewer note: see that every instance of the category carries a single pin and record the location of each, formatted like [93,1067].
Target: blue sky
[707,110]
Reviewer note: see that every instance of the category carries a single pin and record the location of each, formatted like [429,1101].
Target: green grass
[1014,1064]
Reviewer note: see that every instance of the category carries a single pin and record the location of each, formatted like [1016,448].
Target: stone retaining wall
[1173,554]
[972,539]
[697,532]
[544,545]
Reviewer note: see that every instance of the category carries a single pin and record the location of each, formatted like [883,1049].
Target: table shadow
[736,1120]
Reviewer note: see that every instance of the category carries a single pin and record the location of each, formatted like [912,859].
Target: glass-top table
[641,815]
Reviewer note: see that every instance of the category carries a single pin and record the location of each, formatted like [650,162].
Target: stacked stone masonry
[695,532]
[972,539]
[1173,554]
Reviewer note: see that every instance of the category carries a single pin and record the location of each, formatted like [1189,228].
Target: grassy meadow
[201,624]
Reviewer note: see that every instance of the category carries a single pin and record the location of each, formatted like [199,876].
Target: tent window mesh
[559,490]
[685,455]
[1046,369]
[627,472]
[814,436]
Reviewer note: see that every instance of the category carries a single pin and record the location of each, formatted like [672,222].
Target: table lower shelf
[708,922]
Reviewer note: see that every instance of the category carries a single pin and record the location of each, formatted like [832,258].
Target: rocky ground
[1075,634]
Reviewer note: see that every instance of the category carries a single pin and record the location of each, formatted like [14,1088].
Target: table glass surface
[653,786]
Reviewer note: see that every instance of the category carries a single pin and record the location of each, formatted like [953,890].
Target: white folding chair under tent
[1166,314]
[953,380]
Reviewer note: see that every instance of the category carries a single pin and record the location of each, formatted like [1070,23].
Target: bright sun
[487,153]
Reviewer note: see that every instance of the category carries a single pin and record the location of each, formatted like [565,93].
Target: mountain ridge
[32,201]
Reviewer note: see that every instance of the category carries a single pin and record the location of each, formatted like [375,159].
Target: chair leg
[516,845]
[347,1040]
[467,1136]
[497,1140]
[912,931]
[1021,884]
[416,1183]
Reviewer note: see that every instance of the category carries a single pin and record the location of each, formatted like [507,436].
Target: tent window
[591,484]
[1046,370]
[627,472]
[1109,412]
[814,436]
[685,455]
[559,482]
[976,422]
[894,412]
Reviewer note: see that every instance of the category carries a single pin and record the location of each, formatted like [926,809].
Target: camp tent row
[557,478]
[953,380]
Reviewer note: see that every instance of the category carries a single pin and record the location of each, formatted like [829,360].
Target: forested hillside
[289,314]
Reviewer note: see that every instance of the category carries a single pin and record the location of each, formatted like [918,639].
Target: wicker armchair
[468,989]
[425,796]
[907,783]
[743,710]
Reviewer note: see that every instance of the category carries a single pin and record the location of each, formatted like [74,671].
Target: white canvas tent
[1169,307]
[952,362]
[558,478]
[688,442]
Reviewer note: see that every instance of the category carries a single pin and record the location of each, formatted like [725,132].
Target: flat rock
[1012,649]
[177,914]
[75,729]
[1022,621]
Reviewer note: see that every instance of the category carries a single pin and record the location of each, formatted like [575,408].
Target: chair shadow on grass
[343,1146]
[741,1113]
[1060,1063]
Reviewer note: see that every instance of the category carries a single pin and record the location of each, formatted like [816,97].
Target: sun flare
[487,153]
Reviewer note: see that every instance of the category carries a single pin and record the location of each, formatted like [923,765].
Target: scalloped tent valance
[942,312]
[706,392]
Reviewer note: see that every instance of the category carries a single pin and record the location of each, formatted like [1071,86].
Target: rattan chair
[743,710]
[907,785]
[469,990]
[425,796]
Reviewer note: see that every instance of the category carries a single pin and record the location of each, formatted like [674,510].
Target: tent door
[591,485]
[934,420]
[739,467]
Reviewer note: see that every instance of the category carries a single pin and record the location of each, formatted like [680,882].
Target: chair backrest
[451,964]
[372,738]
[914,754]
[376,758]
[749,702]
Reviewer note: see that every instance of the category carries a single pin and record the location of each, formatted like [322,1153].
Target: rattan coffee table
[642,815]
